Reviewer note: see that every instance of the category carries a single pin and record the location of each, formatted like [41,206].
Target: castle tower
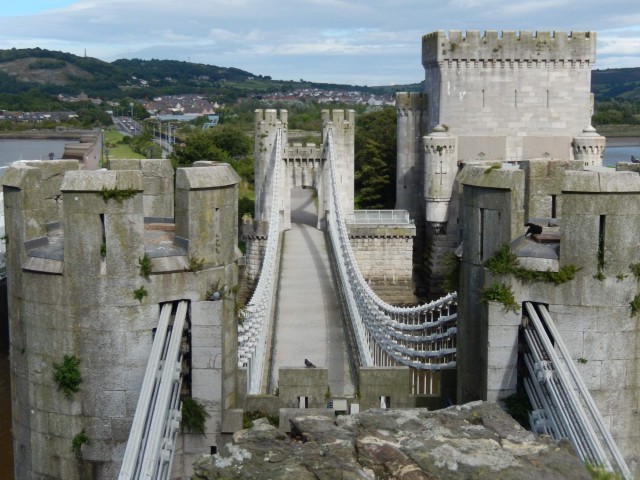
[77,290]
[266,124]
[503,97]
[510,96]
[343,124]
[440,170]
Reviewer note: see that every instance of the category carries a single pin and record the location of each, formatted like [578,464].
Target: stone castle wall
[73,269]
[592,311]
[384,255]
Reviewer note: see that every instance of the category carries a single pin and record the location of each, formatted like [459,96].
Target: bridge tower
[303,166]
[77,291]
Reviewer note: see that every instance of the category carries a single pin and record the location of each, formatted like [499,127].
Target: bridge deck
[308,321]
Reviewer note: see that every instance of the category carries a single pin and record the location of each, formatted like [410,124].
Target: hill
[50,72]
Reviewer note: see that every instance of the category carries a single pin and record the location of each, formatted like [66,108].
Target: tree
[375,159]
[222,143]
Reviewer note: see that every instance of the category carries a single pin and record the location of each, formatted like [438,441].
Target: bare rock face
[473,441]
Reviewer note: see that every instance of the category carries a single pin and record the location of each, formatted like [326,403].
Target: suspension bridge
[308,322]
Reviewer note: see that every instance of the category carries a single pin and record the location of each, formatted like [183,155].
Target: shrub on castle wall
[67,375]
[117,194]
[500,293]
[505,262]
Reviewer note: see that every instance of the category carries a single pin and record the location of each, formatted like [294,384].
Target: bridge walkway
[308,322]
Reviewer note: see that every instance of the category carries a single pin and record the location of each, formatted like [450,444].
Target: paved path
[308,323]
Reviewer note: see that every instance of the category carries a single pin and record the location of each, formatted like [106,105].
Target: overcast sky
[363,42]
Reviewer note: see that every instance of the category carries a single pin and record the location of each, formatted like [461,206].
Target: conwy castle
[501,137]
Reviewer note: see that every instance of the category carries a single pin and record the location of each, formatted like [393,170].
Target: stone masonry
[73,267]
[596,224]
[496,96]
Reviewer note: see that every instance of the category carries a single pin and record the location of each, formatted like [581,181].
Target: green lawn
[112,139]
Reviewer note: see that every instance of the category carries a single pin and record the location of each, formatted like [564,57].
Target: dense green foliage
[77,442]
[500,293]
[375,159]
[504,261]
[222,144]
[194,415]
[67,375]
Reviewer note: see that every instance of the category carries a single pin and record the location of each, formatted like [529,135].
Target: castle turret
[589,147]
[87,277]
[266,123]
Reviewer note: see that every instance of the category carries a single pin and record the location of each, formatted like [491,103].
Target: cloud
[314,39]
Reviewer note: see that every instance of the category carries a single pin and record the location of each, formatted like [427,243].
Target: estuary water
[12,149]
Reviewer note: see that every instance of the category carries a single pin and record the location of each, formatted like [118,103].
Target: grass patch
[67,375]
[194,415]
[635,305]
[598,472]
[504,261]
[451,280]
[635,270]
[118,194]
[145,266]
[195,264]
[519,406]
[249,417]
[77,442]
[140,293]
[500,293]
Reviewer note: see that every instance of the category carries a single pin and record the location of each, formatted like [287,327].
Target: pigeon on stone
[308,364]
[533,229]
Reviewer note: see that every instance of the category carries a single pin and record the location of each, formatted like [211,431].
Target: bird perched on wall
[533,229]
[308,364]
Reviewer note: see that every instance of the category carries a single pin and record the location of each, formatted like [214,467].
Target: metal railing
[422,337]
[380,217]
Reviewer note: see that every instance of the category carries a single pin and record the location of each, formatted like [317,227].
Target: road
[308,320]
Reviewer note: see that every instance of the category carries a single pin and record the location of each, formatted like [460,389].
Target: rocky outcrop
[473,441]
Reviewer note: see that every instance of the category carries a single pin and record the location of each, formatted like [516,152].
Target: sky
[360,42]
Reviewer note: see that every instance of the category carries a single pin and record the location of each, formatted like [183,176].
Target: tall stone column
[440,170]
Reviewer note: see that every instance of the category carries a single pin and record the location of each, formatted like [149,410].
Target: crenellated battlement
[270,117]
[508,46]
[410,101]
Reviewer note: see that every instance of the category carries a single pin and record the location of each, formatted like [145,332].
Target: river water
[23,149]
[12,150]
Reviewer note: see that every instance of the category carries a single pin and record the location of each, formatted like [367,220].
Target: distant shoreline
[623,141]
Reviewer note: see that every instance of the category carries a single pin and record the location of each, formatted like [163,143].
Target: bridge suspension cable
[558,409]
[422,337]
[151,444]
[256,316]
